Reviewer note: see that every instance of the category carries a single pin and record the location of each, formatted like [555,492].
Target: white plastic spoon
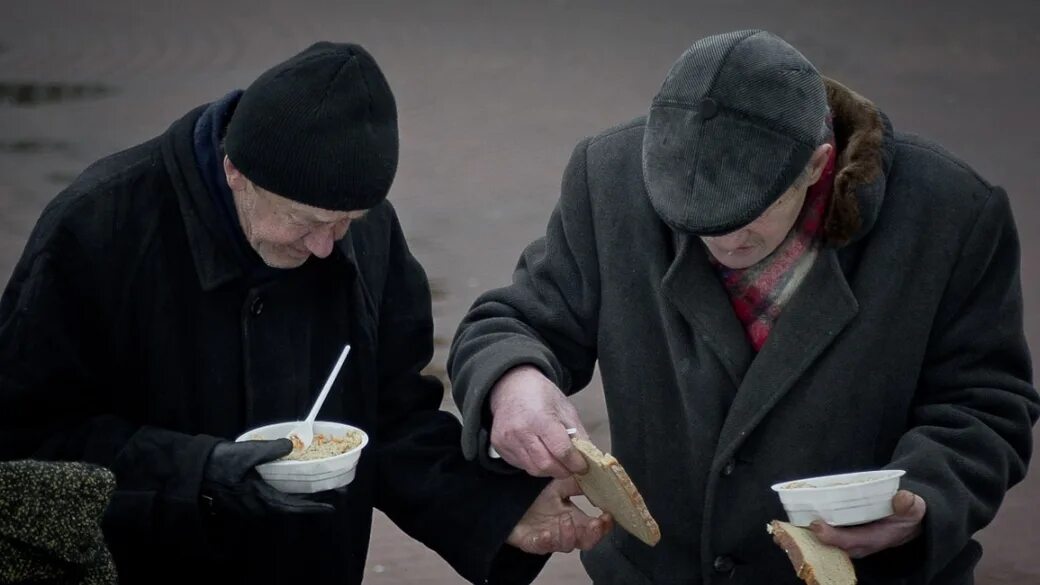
[304,431]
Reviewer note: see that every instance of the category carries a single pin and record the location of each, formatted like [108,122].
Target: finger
[919,509]
[592,533]
[589,531]
[541,543]
[907,505]
[860,541]
[512,447]
[572,459]
[902,503]
[300,506]
[543,464]
[556,440]
[558,443]
[827,534]
[516,457]
[289,504]
[265,451]
[568,534]
[567,487]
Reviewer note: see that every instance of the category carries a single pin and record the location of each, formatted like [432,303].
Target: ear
[235,179]
[818,161]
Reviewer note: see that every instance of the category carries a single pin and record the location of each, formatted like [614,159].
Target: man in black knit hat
[201,284]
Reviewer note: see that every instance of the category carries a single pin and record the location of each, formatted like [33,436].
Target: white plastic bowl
[314,475]
[840,500]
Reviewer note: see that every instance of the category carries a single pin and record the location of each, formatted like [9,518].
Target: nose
[319,242]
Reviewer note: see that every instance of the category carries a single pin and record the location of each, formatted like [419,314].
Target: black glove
[231,485]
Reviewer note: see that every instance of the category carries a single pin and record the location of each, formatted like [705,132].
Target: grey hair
[823,138]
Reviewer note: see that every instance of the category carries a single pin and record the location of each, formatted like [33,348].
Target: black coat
[131,337]
[903,348]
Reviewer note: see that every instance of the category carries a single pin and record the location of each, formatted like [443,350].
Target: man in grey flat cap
[775,285]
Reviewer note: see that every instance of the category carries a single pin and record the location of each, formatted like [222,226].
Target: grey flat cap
[735,122]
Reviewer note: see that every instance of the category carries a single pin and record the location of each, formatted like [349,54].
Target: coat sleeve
[548,316]
[425,485]
[970,436]
[53,402]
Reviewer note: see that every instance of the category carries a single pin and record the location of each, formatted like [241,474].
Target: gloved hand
[232,485]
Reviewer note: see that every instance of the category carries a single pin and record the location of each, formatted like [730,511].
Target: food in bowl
[318,470]
[794,485]
[322,446]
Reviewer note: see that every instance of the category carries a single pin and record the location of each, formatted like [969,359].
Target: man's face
[283,232]
[750,244]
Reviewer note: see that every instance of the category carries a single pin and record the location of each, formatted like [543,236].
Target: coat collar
[866,147]
[211,245]
[815,316]
[693,286]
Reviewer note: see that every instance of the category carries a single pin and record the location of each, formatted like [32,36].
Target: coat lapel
[693,287]
[813,318]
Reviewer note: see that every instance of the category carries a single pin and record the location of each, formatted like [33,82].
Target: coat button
[709,108]
[257,307]
[723,564]
[728,469]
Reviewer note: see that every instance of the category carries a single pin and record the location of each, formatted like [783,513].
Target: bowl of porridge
[329,462]
[840,500]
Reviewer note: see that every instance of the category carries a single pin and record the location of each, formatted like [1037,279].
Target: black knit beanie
[320,128]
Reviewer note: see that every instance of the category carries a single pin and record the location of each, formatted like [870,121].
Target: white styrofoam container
[840,500]
[314,475]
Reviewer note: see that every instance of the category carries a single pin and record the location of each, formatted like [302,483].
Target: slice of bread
[814,562]
[609,488]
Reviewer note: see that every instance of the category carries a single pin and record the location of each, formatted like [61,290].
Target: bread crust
[839,568]
[609,488]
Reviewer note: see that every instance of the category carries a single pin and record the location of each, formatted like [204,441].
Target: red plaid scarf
[758,293]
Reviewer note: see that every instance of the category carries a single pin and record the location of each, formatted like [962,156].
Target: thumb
[903,503]
[566,452]
[825,533]
[559,444]
[266,451]
[573,460]
[566,488]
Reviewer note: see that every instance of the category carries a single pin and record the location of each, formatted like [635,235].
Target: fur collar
[860,132]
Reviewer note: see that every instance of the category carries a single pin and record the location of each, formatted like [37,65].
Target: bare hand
[904,525]
[554,524]
[529,425]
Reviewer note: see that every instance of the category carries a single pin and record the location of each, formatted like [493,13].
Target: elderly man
[201,284]
[767,299]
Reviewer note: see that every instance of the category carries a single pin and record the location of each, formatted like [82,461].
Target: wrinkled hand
[904,525]
[554,524]
[233,486]
[529,425]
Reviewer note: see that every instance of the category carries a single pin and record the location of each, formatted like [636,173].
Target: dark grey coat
[904,348]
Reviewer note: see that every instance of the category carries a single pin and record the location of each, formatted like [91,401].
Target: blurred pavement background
[492,96]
